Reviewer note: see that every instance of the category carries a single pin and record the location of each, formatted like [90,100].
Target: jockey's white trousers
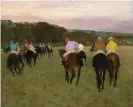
[68,52]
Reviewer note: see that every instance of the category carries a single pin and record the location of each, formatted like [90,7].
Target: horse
[74,60]
[99,63]
[5,50]
[113,66]
[39,50]
[80,56]
[29,55]
[13,62]
[49,51]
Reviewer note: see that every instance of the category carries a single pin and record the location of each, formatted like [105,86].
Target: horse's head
[61,52]
[6,50]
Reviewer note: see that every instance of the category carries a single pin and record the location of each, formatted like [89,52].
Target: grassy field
[44,85]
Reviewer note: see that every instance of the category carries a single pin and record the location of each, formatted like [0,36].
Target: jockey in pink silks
[71,47]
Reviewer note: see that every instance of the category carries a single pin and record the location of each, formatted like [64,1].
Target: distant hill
[102,33]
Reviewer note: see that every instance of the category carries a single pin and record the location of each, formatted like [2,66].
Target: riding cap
[25,41]
[67,38]
[110,38]
[99,38]
[11,41]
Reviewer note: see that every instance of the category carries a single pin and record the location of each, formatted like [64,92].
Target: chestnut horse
[113,66]
[74,60]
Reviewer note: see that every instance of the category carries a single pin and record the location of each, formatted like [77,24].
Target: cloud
[23,18]
[124,26]
[97,15]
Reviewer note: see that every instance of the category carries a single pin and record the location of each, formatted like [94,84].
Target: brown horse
[71,64]
[99,63]
[113,66]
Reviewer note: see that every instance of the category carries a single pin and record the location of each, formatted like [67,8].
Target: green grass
[44,85]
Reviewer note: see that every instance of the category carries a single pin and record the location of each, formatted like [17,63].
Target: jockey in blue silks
[13,47]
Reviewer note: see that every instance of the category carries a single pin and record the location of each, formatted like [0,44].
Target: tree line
[44,32]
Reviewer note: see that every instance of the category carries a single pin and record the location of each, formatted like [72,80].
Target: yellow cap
[110,38]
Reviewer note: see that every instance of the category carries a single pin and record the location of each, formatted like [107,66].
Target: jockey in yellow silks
[71,47]
[111,46]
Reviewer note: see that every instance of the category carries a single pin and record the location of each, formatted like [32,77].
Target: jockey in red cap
[71,47]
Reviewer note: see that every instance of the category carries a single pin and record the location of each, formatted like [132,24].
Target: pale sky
[96,15]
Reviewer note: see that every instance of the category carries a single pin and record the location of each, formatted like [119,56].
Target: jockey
[49,46]
[80,47]
[111,46]
[31,47]
[26,45]
[99,46]
[13,47]
[41,46]
[71,47]
[18,48]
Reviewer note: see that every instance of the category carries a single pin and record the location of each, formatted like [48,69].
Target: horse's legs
[30,60]
[104,72]
[72,70]
[101,75]
[19,70]
[35,57]
[116,75]
[21,61]
[85,60]
[98,78]
[110,75]
[16,66]
[11,71]
[79,72]
[67,75]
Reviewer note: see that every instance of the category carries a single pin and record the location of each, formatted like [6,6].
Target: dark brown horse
[71,65]
[99,63]
[113,67]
